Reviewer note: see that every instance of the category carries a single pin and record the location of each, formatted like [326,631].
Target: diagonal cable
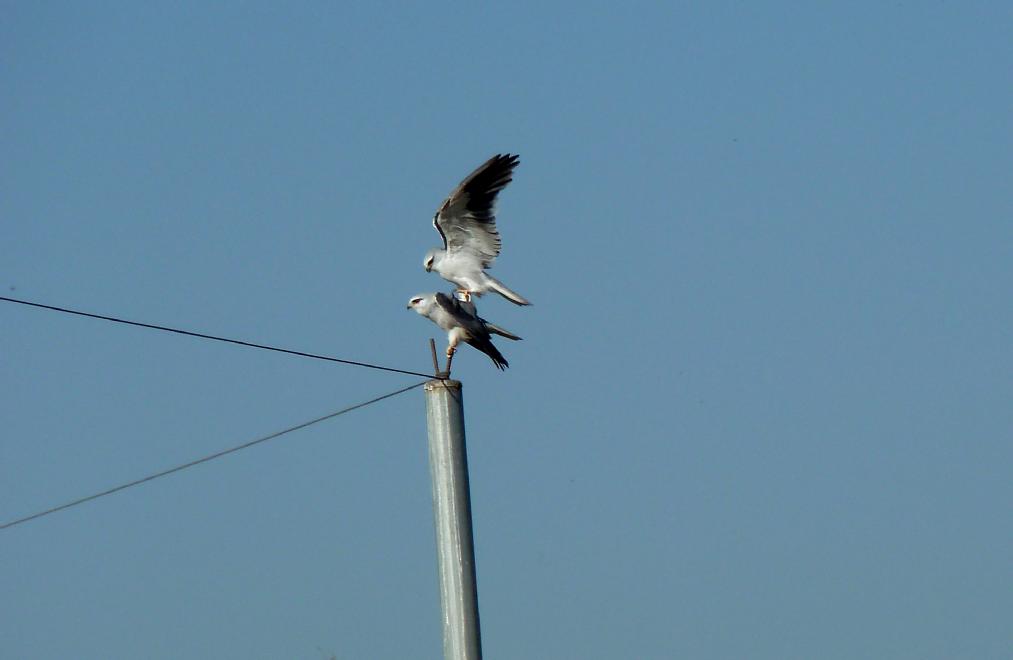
[201,335]
[205,459]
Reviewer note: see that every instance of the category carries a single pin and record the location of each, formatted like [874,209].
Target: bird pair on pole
[466,222]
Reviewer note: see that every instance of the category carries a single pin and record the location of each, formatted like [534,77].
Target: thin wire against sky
[200,335]
[205,459]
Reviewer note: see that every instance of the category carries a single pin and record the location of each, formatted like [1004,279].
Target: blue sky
[761,408]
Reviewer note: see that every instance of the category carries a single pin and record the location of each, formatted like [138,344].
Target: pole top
[437,383]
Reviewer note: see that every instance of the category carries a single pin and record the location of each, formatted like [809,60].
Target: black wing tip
[507,160]
[495,174]
[490,349]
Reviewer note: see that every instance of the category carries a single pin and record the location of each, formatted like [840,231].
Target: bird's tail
[497,357]
[496,330]
[483,344]
[502,290]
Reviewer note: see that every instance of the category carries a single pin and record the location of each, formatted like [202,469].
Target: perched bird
[467,224]
[462,323]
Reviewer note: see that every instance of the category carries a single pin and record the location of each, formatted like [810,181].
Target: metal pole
[455,550]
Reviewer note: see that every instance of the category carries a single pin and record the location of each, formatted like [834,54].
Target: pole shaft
[455,550]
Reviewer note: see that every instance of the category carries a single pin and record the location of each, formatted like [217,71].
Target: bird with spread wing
[467,223]
[462,323]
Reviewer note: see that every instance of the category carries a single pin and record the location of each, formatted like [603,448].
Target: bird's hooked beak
[409,306]
[429,267]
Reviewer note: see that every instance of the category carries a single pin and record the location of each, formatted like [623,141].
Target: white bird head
[423,303]
[432,257]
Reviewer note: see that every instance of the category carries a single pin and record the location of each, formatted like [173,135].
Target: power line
[205,459]
[200,335]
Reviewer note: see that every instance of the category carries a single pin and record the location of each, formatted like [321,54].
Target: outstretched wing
[467,220]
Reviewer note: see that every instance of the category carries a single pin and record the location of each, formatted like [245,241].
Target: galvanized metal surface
[455,550]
